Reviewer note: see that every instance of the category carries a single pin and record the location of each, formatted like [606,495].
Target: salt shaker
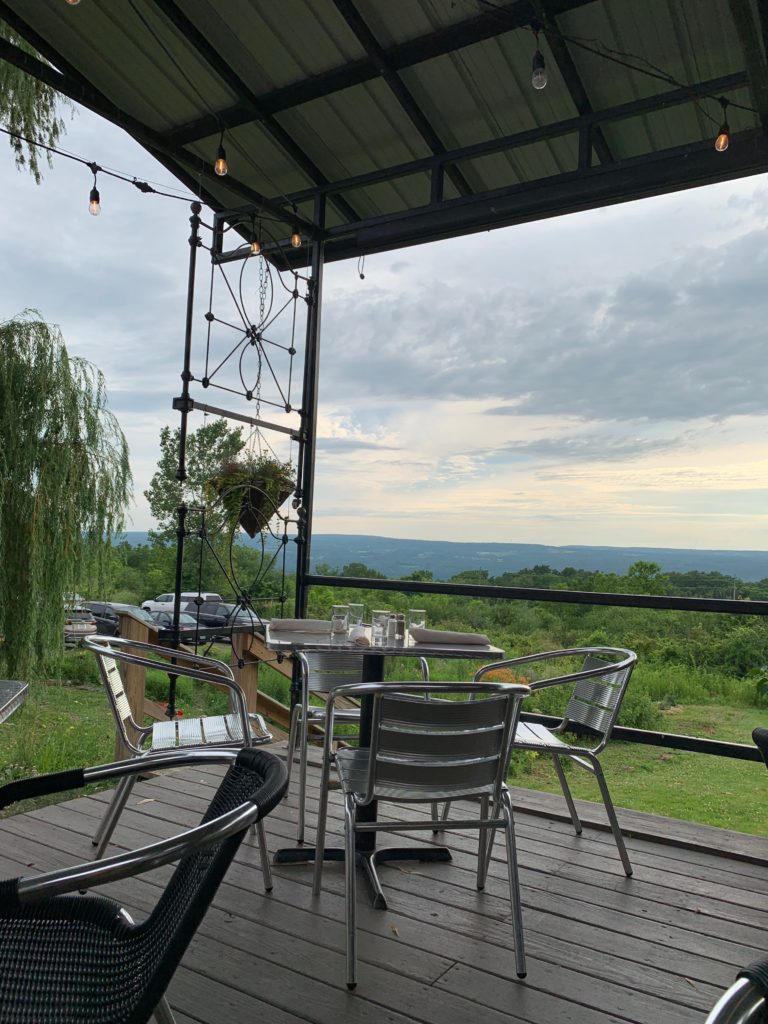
[391,629]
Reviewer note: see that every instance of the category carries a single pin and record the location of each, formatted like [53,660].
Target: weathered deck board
[601,948]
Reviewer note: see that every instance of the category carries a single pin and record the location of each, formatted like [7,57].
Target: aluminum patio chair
[321,672]
[183,733]
[424,751]
[600,685]
[70,958]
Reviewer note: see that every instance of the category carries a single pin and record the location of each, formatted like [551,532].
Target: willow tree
[28,107]
[64,485]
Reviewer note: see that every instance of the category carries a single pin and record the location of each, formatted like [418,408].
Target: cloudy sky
[595,379]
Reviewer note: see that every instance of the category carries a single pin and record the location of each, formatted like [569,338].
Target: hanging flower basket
[252,490]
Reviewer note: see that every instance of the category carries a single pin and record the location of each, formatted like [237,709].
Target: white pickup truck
[164,602]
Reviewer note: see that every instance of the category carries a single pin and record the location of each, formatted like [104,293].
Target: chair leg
[482,846]
[292,744]
[266,870]
[567,794]
[350,870]
[303,746]
[322,813]
[163,1013]
[514,886]
[612,817]
[113,812]
[435,816]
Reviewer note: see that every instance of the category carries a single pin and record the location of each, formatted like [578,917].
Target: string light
[295,233]
[538,67]
[724,135]
[255,247]
[73,3]
[94,201]
[220,164]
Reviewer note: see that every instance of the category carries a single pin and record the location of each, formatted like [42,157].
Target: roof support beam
[502,18]
[573,83]
[655,174]
[399,89]
[215,61]
[572,125]
[79,90]
[753,41]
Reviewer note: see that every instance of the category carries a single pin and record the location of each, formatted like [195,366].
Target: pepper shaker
[400,629]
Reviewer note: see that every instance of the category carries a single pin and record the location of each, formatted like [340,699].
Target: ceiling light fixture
[724,135]
[538,67]
[220,164]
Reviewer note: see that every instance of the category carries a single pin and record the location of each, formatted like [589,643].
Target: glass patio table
[289,641]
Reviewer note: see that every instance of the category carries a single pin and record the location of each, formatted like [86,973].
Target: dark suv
[107,615]
[220,614]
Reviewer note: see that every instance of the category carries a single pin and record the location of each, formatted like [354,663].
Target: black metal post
[306,469]
[183,405]
[309,410]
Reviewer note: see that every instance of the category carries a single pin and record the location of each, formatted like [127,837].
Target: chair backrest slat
[450,746]
[328,670]
[595,702]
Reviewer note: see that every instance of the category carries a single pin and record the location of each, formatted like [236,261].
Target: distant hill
[395,557]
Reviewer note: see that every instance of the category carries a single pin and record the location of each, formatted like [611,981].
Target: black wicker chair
[72,959]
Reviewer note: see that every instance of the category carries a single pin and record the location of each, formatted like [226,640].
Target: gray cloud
[342,445]
[682,341]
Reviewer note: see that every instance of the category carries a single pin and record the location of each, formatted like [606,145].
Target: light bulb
[94,203]
[255,247]
[296,237]
[538,71]
[723,138]
[73,3]
[220,165]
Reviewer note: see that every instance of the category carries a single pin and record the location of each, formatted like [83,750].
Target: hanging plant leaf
[251,490]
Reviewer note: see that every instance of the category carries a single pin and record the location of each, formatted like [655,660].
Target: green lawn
[696,787]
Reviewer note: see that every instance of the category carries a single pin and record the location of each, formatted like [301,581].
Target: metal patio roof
[414,120]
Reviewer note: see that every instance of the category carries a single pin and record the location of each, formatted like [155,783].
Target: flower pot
[258,508]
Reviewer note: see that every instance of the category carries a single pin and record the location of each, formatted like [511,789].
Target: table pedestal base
[367,860]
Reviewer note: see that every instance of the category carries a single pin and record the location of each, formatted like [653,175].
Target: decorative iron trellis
[257,311]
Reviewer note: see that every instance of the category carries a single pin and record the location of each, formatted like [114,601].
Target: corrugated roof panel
[397,21]
[263,45]
[532,163]
[133,55]
[355,131]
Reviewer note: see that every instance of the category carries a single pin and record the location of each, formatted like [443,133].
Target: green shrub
[638,711]
[79,666]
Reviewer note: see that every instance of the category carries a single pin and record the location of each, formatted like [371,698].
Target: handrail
[661,601]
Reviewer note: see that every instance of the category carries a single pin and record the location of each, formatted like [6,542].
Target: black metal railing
[694,744]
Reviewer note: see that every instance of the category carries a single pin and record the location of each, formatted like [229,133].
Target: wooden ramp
[654,949]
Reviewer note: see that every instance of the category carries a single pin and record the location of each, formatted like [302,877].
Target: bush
[79,666]
[638,711]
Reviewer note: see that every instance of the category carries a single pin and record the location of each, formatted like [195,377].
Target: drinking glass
[339,620]
[355,614]
[379,624]
[355,620]
[417,618]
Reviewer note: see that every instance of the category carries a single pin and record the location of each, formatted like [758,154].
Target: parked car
[78,622]
[187,625]
[220,614]
[107,615]
[164,602]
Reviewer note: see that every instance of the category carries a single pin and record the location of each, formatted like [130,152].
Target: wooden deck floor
[657,948]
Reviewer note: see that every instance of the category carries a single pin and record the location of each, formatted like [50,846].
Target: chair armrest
[93,873]
[41,785]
